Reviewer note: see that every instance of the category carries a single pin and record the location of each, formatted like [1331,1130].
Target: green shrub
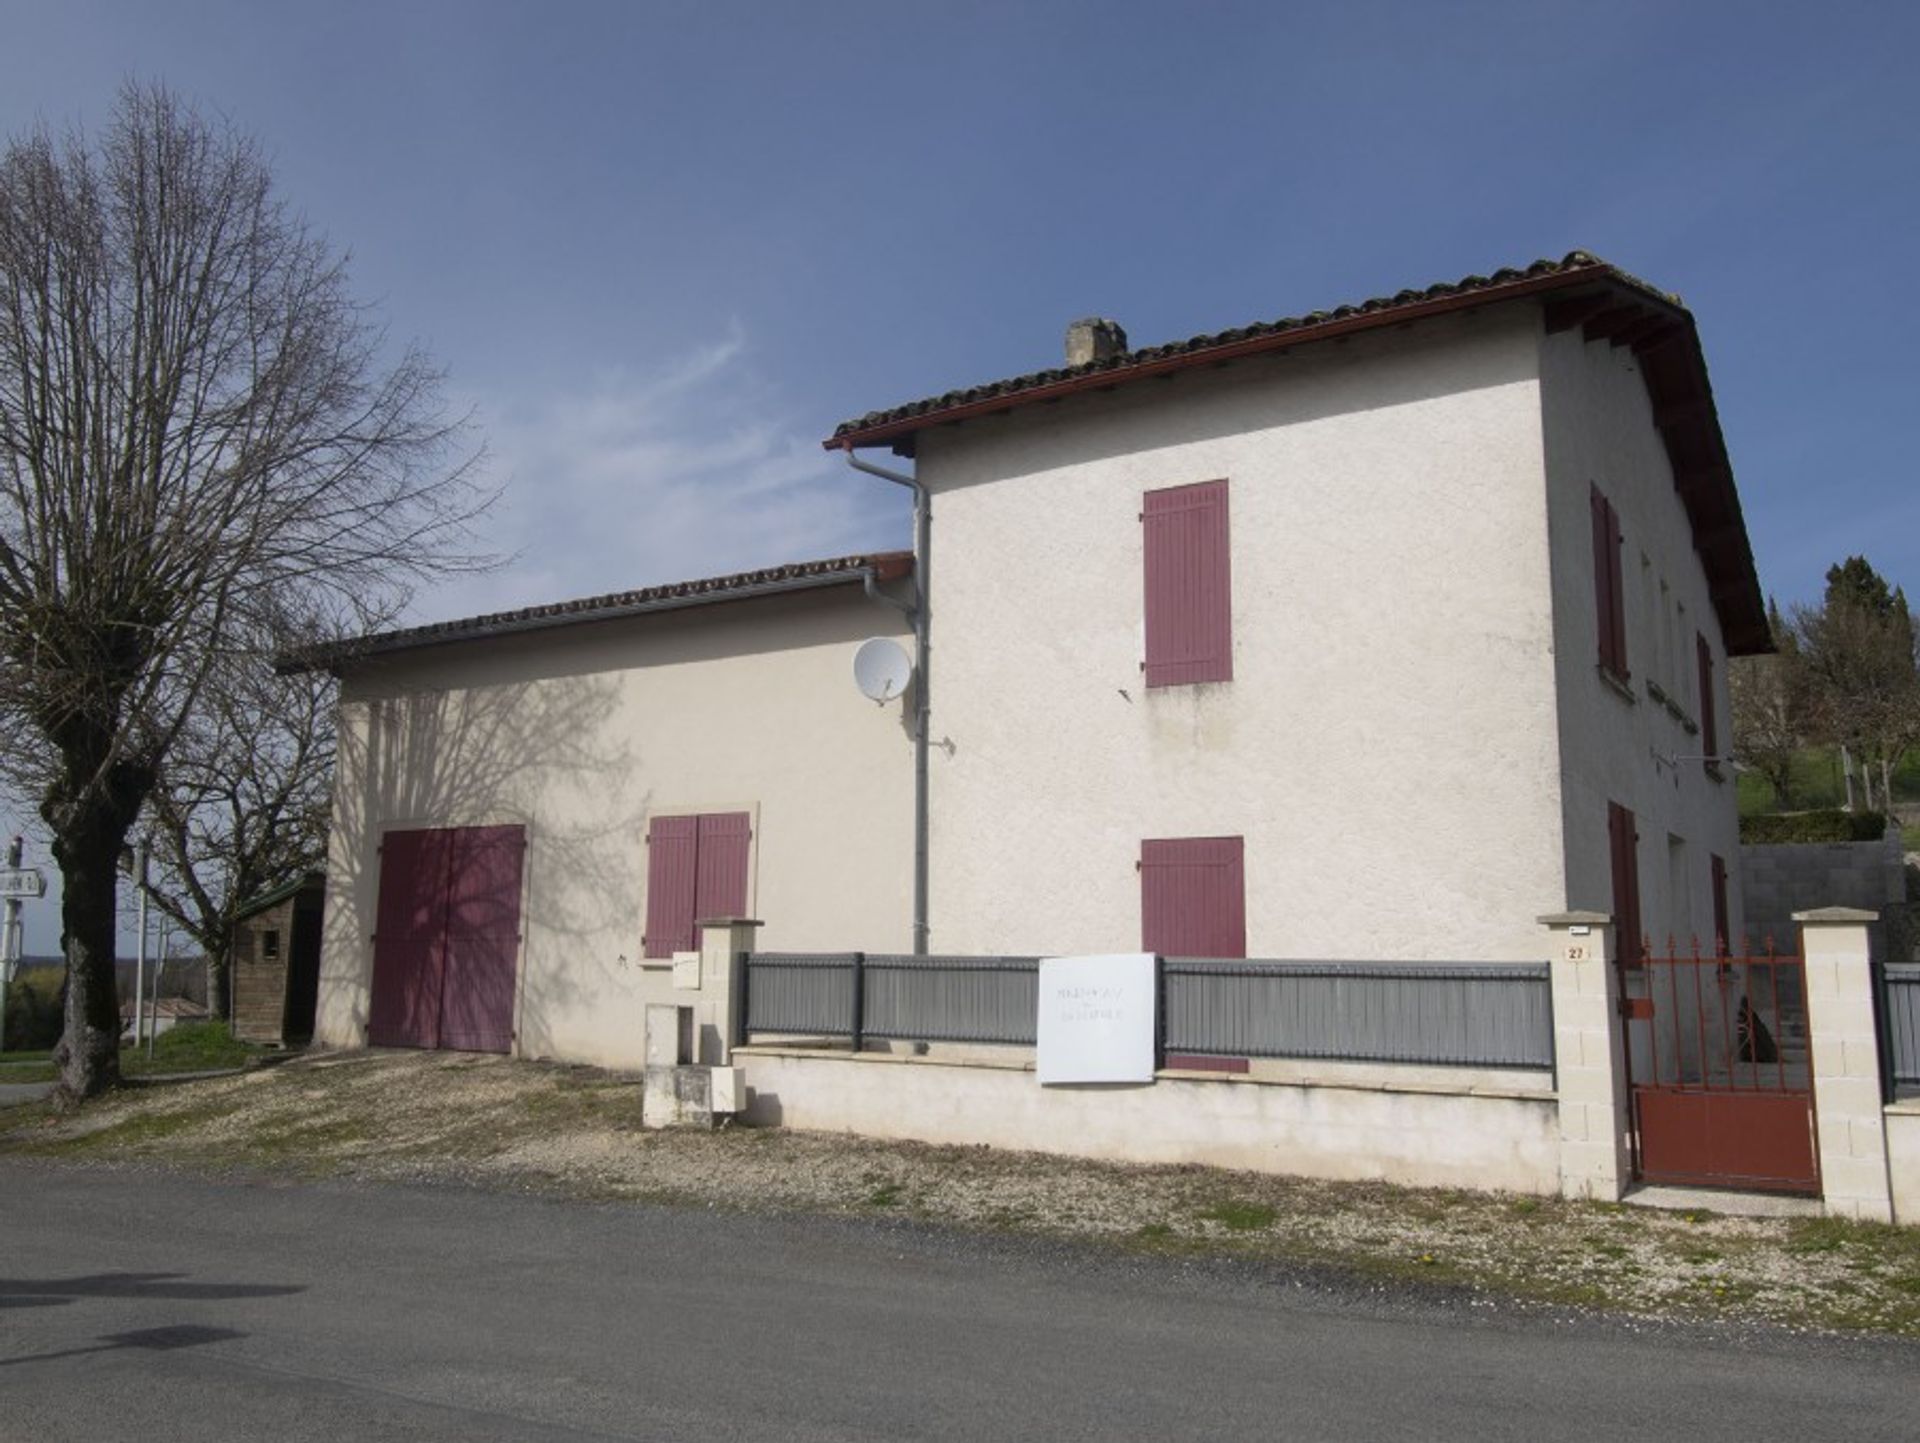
[192,1046]
[33,1011]
[1828,826]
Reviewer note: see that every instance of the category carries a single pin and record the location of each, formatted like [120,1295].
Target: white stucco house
[1370,634]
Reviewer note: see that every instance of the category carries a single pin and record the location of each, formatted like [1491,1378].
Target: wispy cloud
[692,469]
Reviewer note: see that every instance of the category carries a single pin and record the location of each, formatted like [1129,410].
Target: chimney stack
[1094,339]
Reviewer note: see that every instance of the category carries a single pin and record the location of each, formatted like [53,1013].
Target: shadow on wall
[521,752]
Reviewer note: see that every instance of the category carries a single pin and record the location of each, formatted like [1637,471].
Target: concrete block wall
[1780,878]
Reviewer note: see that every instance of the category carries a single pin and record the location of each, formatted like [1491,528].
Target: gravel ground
[495,1123]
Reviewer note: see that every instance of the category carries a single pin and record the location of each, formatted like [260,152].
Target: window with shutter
[1189,588]
[1623,841]
[696,868]
[1709,727]
[1609,598]
[1193,897]
[1722,923]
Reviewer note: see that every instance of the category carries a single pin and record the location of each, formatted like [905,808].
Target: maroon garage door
[446,937]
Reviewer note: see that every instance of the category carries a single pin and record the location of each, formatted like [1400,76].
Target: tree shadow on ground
[45,1292]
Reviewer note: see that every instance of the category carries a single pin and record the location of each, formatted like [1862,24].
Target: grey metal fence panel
[809,994]
[1444,1014]
[1902,1019]
[1465,1015]
[952,999]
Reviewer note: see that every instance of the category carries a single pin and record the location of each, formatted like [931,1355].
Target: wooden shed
[276,963]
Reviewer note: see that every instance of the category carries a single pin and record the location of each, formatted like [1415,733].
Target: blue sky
[662,248]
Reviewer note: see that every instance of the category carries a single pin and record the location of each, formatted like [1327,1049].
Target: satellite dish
[881,669]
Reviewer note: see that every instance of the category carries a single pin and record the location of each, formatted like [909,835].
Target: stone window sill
[1620,685]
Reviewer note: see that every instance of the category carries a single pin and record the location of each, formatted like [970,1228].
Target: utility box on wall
[677,1091]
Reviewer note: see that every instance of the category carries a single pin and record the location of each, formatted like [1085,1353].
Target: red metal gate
[446,940]
[1722,1080]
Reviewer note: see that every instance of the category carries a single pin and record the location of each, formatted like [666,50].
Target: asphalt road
[143,1305]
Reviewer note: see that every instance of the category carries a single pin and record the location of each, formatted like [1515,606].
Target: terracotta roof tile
[737,586]
[1574,263]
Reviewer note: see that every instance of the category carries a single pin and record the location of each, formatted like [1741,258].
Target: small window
[1193,897]
[1189,606]
[270,945]
[1608,589]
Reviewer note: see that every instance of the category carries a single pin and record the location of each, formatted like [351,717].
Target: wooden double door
[447,939]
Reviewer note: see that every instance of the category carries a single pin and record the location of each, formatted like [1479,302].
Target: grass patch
[189,1047]
[1240,1217]
[1818,782]
[884,1196]
[131,1133]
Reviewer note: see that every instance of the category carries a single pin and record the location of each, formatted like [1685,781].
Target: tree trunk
[89,809]
[89,1051]
[220,982]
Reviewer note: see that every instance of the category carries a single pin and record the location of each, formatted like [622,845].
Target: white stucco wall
[1598,430]
[1416,1136]
[1387,746]
[581,735]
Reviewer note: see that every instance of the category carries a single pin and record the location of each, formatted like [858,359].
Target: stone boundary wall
[1414,1135]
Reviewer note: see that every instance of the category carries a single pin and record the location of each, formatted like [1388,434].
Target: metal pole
[922,681]
[140,948]
[10,941]
[162,945]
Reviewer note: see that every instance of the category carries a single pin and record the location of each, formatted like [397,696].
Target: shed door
[448,934]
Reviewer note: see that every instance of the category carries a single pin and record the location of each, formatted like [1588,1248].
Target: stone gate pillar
[1590,1069]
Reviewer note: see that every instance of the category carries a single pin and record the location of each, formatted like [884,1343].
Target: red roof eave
[1312,331]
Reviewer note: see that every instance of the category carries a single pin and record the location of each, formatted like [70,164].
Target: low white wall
[1413,1134]
[1903,1159]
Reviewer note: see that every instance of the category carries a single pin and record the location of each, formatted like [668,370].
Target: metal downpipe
[922,686]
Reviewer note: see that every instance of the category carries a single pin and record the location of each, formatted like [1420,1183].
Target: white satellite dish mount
[882,669]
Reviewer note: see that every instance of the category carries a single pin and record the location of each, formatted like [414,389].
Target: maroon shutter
[483,938]
[1602,594]
[1623,844]
[1722,918]
[720,875]
[672,855]
[409,940]
[1193,897]
[1189,586]
[1709,730]
[1609,603]
[1619,588]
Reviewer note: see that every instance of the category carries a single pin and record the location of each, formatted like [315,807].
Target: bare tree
[197,422]
[240,801]
[1770,721]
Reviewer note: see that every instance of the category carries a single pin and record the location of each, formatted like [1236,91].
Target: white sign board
[22,882]
[1096,1019]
